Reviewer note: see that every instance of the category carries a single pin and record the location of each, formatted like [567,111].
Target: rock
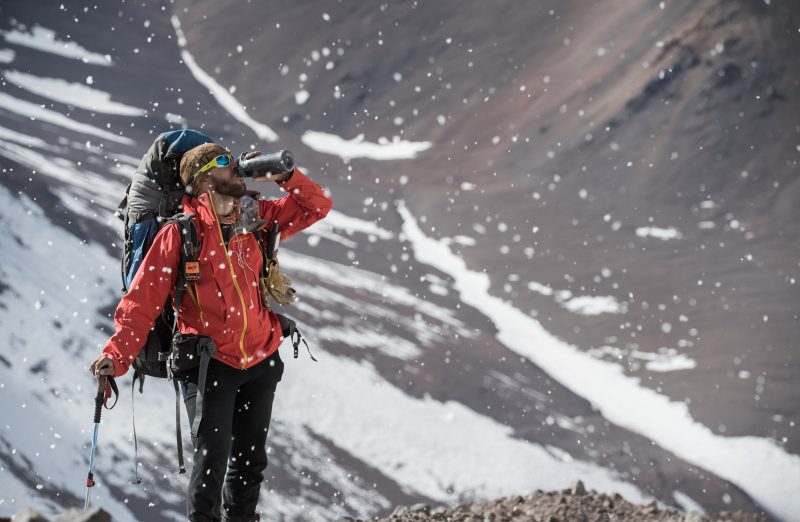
[693,517]
[28,515]
[608,504]
[578,488]
[345,519]
[399,511]
[420,508]
[94,514]
[651,508]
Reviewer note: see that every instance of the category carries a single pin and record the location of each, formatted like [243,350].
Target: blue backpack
[153,195]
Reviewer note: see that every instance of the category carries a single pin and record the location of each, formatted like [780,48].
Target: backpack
[152,200]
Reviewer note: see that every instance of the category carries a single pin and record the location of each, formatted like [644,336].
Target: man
[224,305]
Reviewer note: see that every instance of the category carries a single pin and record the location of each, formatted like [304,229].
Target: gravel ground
[570,505]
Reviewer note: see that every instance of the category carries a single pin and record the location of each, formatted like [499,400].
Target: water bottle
[272,163]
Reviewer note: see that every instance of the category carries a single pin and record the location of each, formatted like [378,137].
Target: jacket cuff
[293,180]
[120,366]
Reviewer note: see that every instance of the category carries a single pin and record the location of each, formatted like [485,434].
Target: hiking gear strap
[187,271]
[205,358]
[140,377]
[110,387]
[181,467]
[296,342]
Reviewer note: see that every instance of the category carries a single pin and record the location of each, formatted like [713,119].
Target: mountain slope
[581,265]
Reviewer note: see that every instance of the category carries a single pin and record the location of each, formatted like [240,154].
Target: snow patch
[176,119]
[36,112]
[540,288]
[358,148]
[24,139]
[594,305]
[44,39]
[75,94]
[460,240]
[666,360]
[663,234]
[7,55]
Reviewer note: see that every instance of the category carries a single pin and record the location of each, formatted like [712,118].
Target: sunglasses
[223,160]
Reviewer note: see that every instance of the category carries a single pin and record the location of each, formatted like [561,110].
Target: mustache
[235,188]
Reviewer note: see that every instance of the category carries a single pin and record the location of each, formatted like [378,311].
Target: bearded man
[226,307]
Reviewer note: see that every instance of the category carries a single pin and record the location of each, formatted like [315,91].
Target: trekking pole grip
[99,398]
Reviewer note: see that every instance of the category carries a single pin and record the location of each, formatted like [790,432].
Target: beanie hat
[194,159]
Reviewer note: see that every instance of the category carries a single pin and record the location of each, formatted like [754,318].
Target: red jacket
[225,303]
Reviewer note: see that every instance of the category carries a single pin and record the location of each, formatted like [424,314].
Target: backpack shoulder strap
[189,268]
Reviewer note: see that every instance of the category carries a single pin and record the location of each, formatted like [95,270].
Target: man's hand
[283,176]
[103,365]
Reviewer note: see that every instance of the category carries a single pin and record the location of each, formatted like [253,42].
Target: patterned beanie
[194,159]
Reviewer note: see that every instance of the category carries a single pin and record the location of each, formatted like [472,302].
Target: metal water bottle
[272,163]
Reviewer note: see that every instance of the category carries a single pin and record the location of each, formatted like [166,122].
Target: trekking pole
[105,385]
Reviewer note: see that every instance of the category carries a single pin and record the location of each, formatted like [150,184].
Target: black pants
[237,407]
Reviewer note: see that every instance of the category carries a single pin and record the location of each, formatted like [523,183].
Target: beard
[234,187]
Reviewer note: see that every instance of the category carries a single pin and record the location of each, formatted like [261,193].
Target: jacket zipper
[235,284]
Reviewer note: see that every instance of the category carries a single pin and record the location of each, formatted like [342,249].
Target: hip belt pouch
[190,354]
[188,351]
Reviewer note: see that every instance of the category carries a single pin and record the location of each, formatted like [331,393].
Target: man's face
[224,181]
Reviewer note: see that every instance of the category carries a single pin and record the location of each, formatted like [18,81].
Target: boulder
[578,488]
